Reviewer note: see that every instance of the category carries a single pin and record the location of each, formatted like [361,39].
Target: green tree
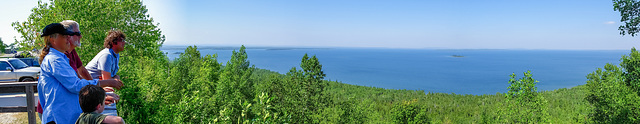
[315,98]
[183,72]
[631,65]
[142,98]
[300,93]
[266,113]
[190,87]
[524,103]
[96,18]
[309,80]
[234,90]
[630,15]
[409,112]
[2,46]
[614,92]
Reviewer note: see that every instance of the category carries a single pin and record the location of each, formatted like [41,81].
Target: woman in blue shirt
[59,85]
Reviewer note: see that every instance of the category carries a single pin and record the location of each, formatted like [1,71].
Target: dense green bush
[523,102]
[300,92]
[614,91]
[409,112]
[196,89]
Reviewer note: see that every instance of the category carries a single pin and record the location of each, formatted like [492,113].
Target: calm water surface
[477,72]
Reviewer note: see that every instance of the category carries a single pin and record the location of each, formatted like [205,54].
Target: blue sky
[483,24]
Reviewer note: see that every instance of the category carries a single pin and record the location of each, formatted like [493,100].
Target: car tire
[27,79]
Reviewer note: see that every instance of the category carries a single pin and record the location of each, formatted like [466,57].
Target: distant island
[457,56]
[279,49]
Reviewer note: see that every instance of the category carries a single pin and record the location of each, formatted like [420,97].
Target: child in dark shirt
[92,99]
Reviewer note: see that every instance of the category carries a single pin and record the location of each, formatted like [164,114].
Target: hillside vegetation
[195,89]
[199,89]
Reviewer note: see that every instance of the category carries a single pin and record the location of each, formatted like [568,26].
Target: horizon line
[369,47]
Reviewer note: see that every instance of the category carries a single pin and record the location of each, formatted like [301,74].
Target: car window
[35,63]
[30,61]
[3,66]
[25,60]
[17,64]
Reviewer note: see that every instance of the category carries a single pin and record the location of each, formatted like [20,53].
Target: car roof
[7,59]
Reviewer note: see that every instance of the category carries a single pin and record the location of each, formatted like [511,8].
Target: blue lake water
[477,72]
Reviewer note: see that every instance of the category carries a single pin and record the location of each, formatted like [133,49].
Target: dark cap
[55,28]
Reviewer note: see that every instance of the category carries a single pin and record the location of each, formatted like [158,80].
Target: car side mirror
[9,69]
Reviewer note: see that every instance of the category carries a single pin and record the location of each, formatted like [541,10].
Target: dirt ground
[16,118]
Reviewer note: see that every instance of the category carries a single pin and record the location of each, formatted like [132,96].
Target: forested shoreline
[199,89]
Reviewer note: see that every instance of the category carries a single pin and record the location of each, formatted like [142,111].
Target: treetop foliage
[614,91]
[630,15]
[524,103]
[96,18]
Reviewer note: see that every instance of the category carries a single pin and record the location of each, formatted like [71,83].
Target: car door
[6,73]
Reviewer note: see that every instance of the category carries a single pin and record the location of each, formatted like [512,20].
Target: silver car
[13,70]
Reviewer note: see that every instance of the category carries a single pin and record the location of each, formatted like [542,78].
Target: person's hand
[111,98]
[117,77]
[110,83]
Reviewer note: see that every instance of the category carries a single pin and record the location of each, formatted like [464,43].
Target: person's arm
[83,73]
[113,120]
[105,65]
[110,83]
[106,75]
[62,72]
[111,98]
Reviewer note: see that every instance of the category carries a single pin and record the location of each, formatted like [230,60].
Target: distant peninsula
[458,56]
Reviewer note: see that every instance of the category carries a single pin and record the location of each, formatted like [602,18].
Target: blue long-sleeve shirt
[58,89]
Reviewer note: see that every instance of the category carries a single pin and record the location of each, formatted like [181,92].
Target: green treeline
[197,89]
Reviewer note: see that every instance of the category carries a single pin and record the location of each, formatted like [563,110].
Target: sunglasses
[124,41]
[75,34]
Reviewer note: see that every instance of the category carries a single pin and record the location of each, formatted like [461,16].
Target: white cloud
[610,22]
